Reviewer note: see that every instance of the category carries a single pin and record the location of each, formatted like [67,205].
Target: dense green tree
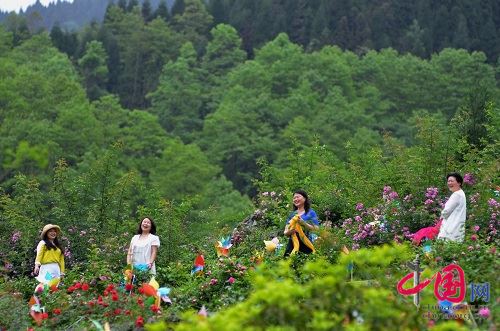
[242,17]
[94,70]
[128,30]
[142,51]
[147,11]
[162,11]
[178,7]
[66,42]
[122,4]
[194,24]
[218,10]
[239,138]
[110,43]
[161,45]
[182,170]
[178,98]
[18,26]
[472,118]
[26,159]
[224,51]
[413,40]
[132,4]
[461,35]
[6,41]
[458,72]
[44,108]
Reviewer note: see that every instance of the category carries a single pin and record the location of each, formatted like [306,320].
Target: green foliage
[17,307]
[178,101]
[219,205]
[318,298]
[22,217]
[26,158]
[193,22]
[182,170]
[94,69]
[367,134]
[5,41]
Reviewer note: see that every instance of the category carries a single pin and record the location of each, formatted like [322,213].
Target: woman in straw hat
[49,262]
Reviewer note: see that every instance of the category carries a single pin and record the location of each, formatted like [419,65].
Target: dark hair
[457,176]
[307,203]
[153,226]
[52,245]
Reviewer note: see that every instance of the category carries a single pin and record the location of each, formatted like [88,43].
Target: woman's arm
[308,226]
[288,232]
[130,252]
[450,205]
[313,224]
[39,255]
[154,252]
[61,263]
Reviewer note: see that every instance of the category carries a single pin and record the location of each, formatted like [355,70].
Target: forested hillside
[202,116]
[73,15]
[420,27]
[196,82]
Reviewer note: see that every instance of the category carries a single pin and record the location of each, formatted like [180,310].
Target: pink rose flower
[484,312]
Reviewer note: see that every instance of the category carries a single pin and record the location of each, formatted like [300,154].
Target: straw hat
[48,227]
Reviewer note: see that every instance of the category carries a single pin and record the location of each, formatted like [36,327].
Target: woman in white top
[144,246]
[454,212]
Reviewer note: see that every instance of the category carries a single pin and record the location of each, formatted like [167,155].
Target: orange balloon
[148,290]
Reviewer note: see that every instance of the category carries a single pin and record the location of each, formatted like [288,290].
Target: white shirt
[453,214]
[141,249]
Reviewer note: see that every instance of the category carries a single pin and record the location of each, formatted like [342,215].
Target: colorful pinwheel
[198,265]
[222,246]
[273,245]
[202,314]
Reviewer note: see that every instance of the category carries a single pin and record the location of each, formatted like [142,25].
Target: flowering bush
[223,282]
[394,219]
[81,303]
[315,296]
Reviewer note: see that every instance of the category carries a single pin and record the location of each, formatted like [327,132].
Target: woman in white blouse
[144,247]
[454,212]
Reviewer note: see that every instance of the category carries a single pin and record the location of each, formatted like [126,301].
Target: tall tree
[162,11]
[18,26]
[414,39]
[194,24]
[94,70]
[178,99]
[224,51]
[6,41]
[66,42]
[146,10]
[132,4]
[217,9]
[178,7]
[122,4]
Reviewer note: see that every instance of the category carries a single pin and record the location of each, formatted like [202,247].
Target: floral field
[349,283]
[359,278]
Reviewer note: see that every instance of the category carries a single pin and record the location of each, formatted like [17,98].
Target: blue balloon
[163,291]
[445,306]
[141,266]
